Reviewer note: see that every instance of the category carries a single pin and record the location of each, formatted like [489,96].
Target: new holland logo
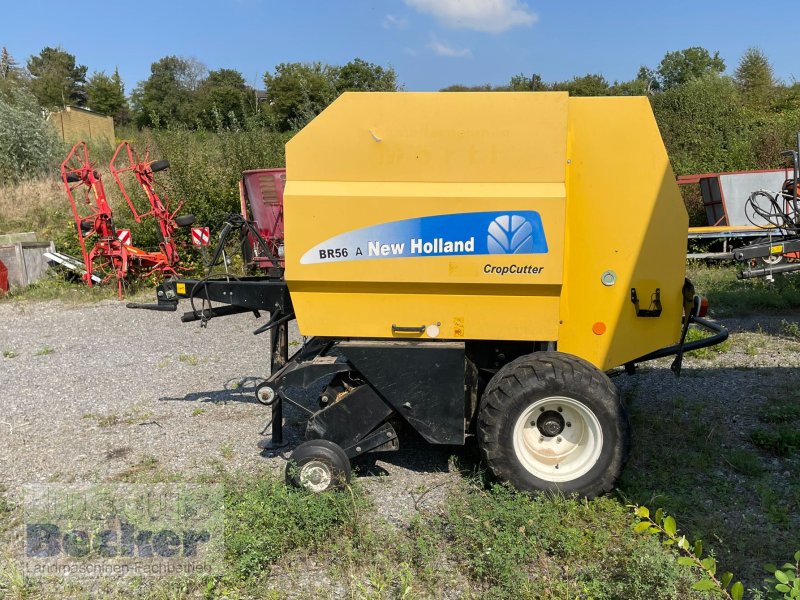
[510,234]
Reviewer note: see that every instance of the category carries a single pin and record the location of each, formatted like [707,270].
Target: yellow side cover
[486,216]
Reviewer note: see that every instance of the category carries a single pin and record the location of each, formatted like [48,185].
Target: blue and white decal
[460,234]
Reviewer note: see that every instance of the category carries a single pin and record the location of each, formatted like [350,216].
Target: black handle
[398,329]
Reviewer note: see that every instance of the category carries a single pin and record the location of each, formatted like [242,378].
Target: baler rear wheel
[552,421]
[772,259]
[318,466]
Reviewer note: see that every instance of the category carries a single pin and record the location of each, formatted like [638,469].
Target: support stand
[279,342]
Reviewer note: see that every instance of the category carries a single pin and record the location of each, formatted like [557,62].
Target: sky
[430,43]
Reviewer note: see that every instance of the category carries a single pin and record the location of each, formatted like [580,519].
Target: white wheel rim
[315,476]
[565,456]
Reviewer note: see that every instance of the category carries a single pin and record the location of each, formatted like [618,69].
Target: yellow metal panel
[378,163]
[376,175]
[624,214]
[437,137]
[457,312]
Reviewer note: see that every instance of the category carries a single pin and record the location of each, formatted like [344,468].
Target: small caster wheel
[266,394]
[318,466]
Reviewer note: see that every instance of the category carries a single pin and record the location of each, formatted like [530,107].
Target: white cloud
[394,22]
[444,49]
[492,16]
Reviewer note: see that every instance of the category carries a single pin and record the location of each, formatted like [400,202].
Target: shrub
[28,145]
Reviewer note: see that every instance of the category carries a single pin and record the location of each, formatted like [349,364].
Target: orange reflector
[599,328]
[703,311]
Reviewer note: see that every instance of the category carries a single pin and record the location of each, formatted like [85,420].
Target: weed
[198,411]
[189,359]
[147,470]
[162,363]
[44,351]
[744,461]
[703,479]
[790,328]
[781,436]
[664,526]
[782,440]
[9,354]
[265,519]
[103,420]
[226,450]
[504,537]
[777,512]
[705,353]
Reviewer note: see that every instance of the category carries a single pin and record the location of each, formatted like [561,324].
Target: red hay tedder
[94,222]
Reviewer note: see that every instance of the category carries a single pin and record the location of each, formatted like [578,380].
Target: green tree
[468,88]
[167,96]
[587,85]
[297,92]
[222,98]
[681,66]
[11,75]
[56,78]
[634,87]
[362,76]
[705,125]
[755,76]
[106,95]
[523,83]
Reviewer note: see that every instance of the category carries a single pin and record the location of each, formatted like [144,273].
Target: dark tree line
[182,91]
[710,120]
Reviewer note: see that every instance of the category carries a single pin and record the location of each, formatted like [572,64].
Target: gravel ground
[96,391]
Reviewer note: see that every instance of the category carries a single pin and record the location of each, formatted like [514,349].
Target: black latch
[654,310]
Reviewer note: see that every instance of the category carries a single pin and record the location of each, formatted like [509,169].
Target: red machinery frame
[167,220]
[108,254]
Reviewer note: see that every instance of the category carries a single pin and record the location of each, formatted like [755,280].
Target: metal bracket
[654,310]
[383,439]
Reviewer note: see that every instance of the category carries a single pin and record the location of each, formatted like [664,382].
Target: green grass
[717,481]
[779,434]
[44,351]
[483,542]
[9,354]
[729,296]
[790,329]
[695,334]
[103,420]
[266,519]
[515,545]
[189,359]
[55,285]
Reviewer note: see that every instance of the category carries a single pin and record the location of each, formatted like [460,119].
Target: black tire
[556,388]
[318,466]
[73,177]
[159,165]
[184,220]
